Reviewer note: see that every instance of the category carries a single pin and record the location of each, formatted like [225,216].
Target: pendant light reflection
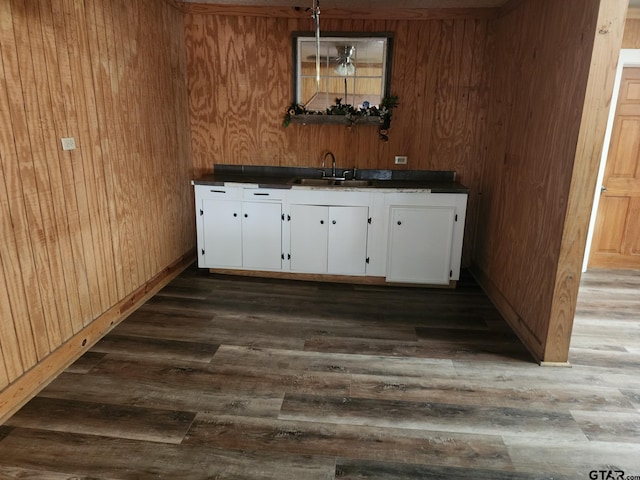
[345,69]
[346,66]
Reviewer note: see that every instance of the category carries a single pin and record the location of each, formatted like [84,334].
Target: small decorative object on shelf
[346,114]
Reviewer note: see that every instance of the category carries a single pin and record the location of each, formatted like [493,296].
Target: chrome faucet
[333,162]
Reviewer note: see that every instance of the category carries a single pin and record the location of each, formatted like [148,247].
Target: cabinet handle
[246,215]
[321,222]
[399,222]
[218,191]
[334,222]
[235,214]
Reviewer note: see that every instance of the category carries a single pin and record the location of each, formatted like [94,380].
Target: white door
[347,245]
[262,236]
[222,233]
[309,226]
[420,244]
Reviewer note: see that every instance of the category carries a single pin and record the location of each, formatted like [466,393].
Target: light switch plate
[68,143]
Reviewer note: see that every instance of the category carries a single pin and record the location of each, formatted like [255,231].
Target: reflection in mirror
[353,68]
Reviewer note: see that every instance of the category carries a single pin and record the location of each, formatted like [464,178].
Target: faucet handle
[351,172]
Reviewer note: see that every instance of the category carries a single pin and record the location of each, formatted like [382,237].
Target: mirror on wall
[355,68]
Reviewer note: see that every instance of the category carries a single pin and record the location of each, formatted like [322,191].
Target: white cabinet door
[309,227]
[420,244]
[329,239]
[347,240]
[262,236]
[222,233]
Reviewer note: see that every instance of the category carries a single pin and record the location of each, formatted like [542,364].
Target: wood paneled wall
[543,56]
[240,85]
[81,230]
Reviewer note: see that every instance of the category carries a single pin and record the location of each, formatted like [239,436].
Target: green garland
[344,109]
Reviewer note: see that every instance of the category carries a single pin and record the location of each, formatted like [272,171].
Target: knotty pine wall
[240,85]
[522,252]
[88,231]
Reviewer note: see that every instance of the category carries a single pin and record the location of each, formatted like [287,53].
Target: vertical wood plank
[81,157]
[92,69]
[25,209]
[65,204]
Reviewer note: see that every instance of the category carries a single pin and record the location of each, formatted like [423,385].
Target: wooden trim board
[341,13]
[315,277]
[33,381]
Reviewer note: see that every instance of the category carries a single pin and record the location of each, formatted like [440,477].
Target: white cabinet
[329,239]
[394,236]
[222,233]
[238,234]
[420,244]
[425,238]
[261,236]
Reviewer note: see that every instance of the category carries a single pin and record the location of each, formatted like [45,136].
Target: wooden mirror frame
[338,37]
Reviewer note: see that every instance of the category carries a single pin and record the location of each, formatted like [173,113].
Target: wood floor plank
[316,323]
[72,416]
[147,394]
[31,474]
[309,361]
[600,358]
[347,469]
[4,431]
[229,328]
[572,459]
[155,348]
[508,394]
[448,417]
[124,459]
[86,362]
[501,371]
[223,378]
[361,442]
[422,349]
[633,396]
[621,427]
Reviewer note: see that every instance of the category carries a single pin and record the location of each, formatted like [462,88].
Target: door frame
[628,58]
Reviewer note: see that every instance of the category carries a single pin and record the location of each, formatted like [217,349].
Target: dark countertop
[284,177]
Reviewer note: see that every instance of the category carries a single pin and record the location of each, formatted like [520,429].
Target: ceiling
[364,4]
[372,4]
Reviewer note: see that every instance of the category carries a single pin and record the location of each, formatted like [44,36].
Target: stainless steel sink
[330,182]
[313,182]
[353,183]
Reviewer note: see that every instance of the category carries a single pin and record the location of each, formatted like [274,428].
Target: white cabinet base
[366,236]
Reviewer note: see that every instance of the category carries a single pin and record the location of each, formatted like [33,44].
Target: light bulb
[345,69]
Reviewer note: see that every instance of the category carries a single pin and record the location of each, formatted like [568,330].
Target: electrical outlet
[68,143]
[401,160]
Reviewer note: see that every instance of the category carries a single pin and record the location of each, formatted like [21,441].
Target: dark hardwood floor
[244,378]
